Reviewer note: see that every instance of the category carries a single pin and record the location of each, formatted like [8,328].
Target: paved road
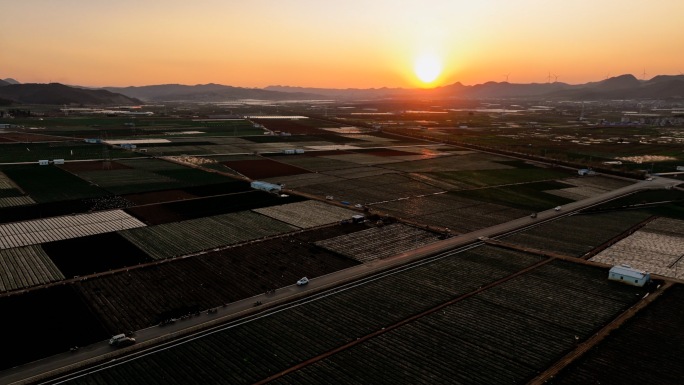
[154,335]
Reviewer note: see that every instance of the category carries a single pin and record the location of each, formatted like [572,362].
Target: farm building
[628,275]
[265,186]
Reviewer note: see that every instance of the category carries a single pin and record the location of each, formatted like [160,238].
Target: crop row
[504,335]
[180,238]
[647,349]
[252,351]
[16,201]
[5,182]
[654,252]
[578,234]
[138,298]
[26,266]
[379,242]
[56,228]
[306,214]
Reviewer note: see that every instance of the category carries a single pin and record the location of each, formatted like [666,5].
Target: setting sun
[427,68]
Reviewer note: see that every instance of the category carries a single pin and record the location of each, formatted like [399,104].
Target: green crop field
[50,183]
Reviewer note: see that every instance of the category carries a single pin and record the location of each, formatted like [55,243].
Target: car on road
[303,281]
[557,208]
[121,340]
[649,178]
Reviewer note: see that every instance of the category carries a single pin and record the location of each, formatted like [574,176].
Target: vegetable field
[307,214]
[577,235]
[647,349]
[506,334]
[142,297]
[451,211]
[58,228]
[50,183]
[26,266]
[250,352]
[657,247]
[180,238]
[379,242]
[263,168]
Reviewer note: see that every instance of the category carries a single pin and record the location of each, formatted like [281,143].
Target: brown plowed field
[263,168]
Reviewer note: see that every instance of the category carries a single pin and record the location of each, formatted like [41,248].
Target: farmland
[578,234]
[180,238]
[57,228]
[648,348]
[188,233]
[657,247]
[498,336]
[306,214]
[143,297]
[458,214]
[26,266]
[379,242]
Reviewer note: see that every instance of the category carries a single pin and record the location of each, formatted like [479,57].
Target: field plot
[379,242]
[156,214]
[16,201]
[506,334]
[34,179]
[372,189]
[576,235]
[588,186]
[647,349]
[41,323]
[10,195]
[527,196]
[469,161]
[263,168]
[450,211]
[294,127]
[57,228]
[32,152]
[26,266]
[301,180]
[657,247]
[180,238]
[251,352]
[367,159]
[307,214]
[315,163]
[496,177]
[93,254]
[359,172]
[140,175]
[142,297]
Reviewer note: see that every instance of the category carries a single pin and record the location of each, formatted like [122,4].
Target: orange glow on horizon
[353,44]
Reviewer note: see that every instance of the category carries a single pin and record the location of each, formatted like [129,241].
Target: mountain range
[619,87]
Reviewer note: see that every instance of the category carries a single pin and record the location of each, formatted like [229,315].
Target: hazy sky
[320,43]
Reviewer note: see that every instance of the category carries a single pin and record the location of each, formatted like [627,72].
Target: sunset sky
[341,44]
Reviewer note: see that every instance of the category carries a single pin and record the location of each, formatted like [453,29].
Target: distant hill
[55,93]
[11,81]
[206,93]
[4,83]
[619,87]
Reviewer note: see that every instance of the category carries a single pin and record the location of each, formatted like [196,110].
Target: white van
[117,338]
